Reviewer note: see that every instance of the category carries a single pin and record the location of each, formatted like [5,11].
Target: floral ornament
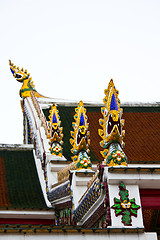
[125,206]
[83,161]
[56,149]
[80,138]
[55,132]
[116,157]
[112,123]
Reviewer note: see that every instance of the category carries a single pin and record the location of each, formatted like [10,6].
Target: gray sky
[73,48]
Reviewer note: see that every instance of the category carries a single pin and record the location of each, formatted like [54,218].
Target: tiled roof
[142,137]
[66,116]
[52,229]
[142,126]
[19,183]
[88,200]
[61,191]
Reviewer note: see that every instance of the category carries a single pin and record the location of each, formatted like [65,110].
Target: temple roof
[142,125]
[19,182]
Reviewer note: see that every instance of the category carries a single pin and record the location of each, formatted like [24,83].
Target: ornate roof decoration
[64,216]
[125,206]
[64,172]
[55,132]
[39,112]
[61,191]
[111,133]
[24,77]
[135,118]
[88,200]
[80,138]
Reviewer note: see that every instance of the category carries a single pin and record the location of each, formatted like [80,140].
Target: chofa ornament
[80,139]
[111,133]
[55,132]
[24,77]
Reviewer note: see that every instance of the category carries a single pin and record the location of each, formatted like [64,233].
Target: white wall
[79,236]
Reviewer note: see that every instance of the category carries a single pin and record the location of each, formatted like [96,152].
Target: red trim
[27,221]
[150,198]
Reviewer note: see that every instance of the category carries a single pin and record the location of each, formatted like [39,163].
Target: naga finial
[80,139]
[24,77]
[111,133]
[55,132]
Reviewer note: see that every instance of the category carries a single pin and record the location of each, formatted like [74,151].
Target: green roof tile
[22,186]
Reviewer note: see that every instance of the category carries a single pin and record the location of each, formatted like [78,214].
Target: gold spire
[112,124]
[80,138]
[55,132]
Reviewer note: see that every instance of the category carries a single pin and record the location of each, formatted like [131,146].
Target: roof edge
[17,147]
[46,103]
[140,104]
[49,214]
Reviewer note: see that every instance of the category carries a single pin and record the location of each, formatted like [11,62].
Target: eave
[146,176]
[24,214]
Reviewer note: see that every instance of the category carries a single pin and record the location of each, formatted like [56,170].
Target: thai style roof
[60,191]
[19,183]
[79,197]
[142,124]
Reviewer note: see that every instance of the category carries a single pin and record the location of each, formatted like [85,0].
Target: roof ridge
[16,147]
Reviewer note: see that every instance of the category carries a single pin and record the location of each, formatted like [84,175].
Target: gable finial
[111,133]
[24,77]
[55,132]
[80,138]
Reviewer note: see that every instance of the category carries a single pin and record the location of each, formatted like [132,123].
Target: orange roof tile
[142,127]
[142,136]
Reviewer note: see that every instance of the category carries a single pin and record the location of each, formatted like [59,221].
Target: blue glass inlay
[82,121]
[113,105]
[12,71]
[54,120]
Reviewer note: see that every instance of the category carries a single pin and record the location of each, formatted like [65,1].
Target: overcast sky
[73,48]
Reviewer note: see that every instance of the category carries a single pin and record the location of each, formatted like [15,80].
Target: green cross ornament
[125,206]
